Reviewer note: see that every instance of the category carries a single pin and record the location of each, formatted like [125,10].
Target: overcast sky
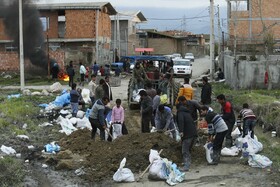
[172,13]
[182,4]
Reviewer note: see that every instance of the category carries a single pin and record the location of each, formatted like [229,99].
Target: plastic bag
[209,151]
[117,130]
[66,125]
[259,161]
[158,168]
[123,174]
[8,150]
[52,148]
[254,146]
[85,94]
[236,133]
[233,151]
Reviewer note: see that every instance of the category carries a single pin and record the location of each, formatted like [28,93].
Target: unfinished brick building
[80,32]
[253,20]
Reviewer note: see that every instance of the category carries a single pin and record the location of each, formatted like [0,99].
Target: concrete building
[80,32]
[124,36]
[251,20]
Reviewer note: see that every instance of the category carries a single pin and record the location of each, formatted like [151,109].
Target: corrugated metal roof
[78,6]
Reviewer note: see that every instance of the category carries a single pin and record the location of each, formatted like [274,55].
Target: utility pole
[219,31]
[21,52]
[212,39]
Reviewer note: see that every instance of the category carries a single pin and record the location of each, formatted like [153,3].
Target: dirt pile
[103,158]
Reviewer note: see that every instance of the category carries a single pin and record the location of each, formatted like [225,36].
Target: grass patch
[14,173]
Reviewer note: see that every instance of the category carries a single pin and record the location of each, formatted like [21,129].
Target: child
[117,116]
[74,99]
[249,120]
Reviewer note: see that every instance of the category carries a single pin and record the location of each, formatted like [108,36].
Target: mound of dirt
[103,158]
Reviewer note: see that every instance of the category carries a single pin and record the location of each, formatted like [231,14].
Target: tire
[131,105]
[175,92]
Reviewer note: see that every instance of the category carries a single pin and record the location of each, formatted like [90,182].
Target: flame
[63,76]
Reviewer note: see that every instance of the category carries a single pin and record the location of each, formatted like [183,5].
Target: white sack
[209,151]
[259,161]
[83,123]
[233,151]
[123,174]
[66,125]
[117,131]
[80,114]
[85,94]
[236,133]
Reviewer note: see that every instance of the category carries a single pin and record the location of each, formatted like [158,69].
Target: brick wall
[10,60]
[53,23]
[80,23]
[163,45]
[3,35]
[268,9]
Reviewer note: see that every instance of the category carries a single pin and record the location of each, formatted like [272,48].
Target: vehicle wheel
[131,105]
[176,88]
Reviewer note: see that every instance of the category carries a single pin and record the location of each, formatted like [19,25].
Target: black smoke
[33,35]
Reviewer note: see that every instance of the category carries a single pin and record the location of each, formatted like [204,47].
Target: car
[176,55]
[182,67]
[189,56]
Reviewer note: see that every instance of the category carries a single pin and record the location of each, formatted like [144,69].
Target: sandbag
[123,174]
[233,151]
[259,161]
[254,146]
[209,151]
[117,130]
[236,133]
[86,95]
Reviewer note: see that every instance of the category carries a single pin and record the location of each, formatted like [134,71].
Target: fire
[63,76]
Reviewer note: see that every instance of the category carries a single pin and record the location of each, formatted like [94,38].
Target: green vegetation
[12,172]
[263,104]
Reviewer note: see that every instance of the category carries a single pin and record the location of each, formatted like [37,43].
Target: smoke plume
[33,38]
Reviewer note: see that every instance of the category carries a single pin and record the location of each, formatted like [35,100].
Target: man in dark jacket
[146,111]
[107,88]
[97,117]
[187,131]
[216,127]
[206,92]
[228,116]
[71,73]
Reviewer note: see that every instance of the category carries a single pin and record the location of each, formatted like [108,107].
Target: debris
[45,124]
[14,96]
[23,137]
[18,155]
[7,76]
[56,87]
[24,126]
[45,166]
[30,147]
[26,92]
[52,148]
[8,150]
[80,171]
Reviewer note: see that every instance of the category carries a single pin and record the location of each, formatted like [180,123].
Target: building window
[239,6]
[11,47]
[45,23]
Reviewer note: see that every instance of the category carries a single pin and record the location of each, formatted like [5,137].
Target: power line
[172,19]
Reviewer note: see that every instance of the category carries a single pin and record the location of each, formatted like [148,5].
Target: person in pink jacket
[117,117]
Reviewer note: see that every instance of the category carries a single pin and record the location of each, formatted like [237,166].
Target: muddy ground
[97,161]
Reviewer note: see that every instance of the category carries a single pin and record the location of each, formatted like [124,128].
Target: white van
[182,67]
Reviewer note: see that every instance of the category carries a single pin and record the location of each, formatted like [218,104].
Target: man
[99,91]
[156,103]
[169,71]
[95,68]
[164,119]
[193,107]
[206,92]
[150,90]
[107,88]
[70,73]
[146,111]
[97,117]
[216,127]
[139,75]
[187,130]
[186,89]
[228,116]
[92,86]
[83,72]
